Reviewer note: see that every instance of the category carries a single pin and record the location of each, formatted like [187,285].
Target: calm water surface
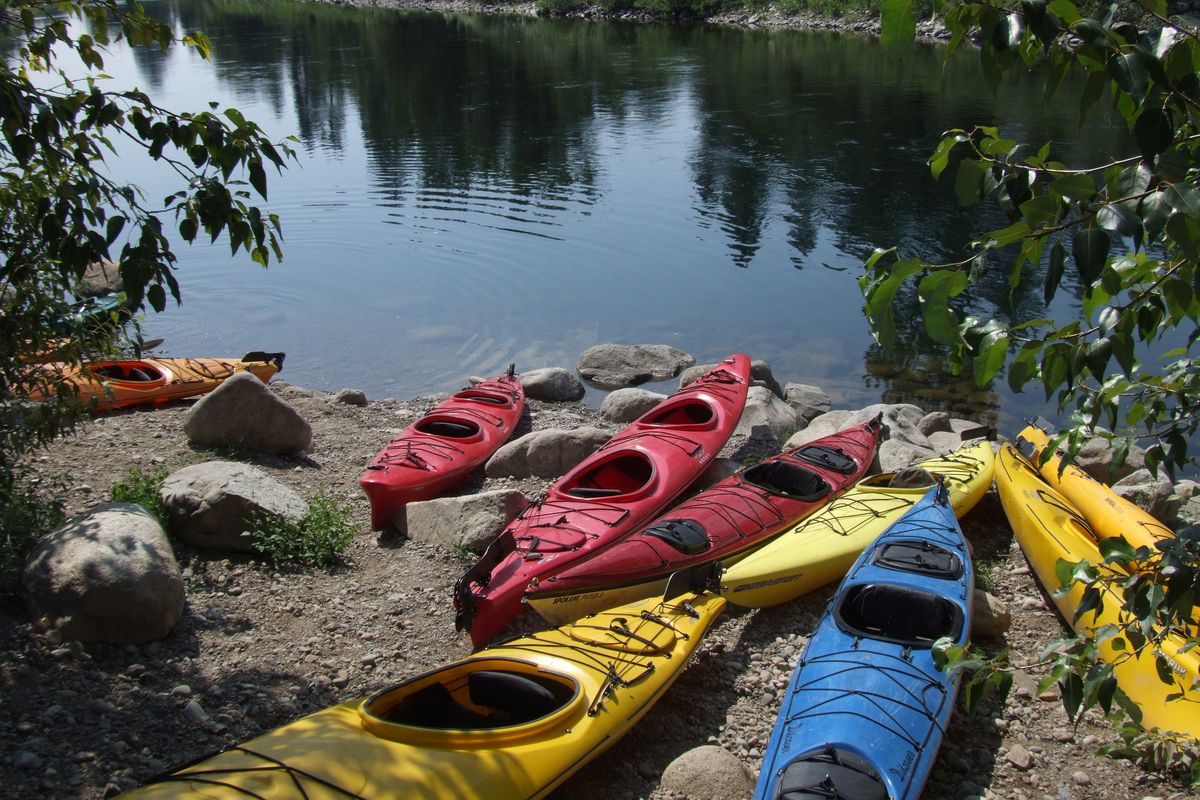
[473,191]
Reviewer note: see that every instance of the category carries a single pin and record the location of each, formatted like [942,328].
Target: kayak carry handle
[259,355]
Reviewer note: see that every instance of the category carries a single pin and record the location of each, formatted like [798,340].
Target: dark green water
[474,191]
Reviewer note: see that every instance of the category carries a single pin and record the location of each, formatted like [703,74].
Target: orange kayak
[121,383]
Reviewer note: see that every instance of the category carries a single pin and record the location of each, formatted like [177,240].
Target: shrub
[316,539]
[25,517]
[143,489]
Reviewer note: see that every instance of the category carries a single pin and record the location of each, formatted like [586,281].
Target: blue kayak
[866,707]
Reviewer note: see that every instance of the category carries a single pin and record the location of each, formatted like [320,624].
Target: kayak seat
[451,430]
[592,491]
[789,480]
[829,457]
[898,614]
[922,558]
[435,707]
[833,773]
[516,698]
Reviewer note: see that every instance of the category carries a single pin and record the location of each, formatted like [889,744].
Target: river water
[472,191]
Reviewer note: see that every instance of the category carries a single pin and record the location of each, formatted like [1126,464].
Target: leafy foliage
[1128,229]
[1127,232]
[62,207]
[25,516]
[143,489]
[316,539]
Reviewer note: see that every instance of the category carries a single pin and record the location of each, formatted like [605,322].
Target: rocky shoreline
[259,646]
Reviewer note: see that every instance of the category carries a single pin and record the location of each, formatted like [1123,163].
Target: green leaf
[1054,271]
[157,297]
[1153,132]
[941,156]
[1093,88]
[1074,188]
[1089,247]
[934,292]
[989,356]
[1041,211]
[897,26]
[968,182]
[1024,367]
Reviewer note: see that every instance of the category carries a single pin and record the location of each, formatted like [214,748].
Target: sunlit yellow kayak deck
[821,548]
[513,721]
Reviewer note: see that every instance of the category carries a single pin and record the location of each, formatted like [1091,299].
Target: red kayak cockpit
[621,474]
[448,426]
[129,371]
[686,413]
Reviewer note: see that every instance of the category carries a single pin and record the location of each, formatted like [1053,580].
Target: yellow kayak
[512,721]
[1049,528]
[821,548]
[1107,512]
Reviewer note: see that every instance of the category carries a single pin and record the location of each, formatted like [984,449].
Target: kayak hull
[440,450]
[721,524]
[513,721]
[820,549]
[866,705]
[628,481]
[1049,527]
[149,381]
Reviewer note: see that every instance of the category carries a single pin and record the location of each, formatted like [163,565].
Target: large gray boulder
[243,412]
[106,575]
[626,405]
[471,521]
[545,454]
[810,402]
[708,772]
[894,455]
[900,425]
[1152,493]
[100,278]
[613,366]
[211,505]
[1096,459]
[552,384]
[764,409]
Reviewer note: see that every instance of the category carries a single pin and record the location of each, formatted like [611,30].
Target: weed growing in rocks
[316,539]
[143,489]
[25,517]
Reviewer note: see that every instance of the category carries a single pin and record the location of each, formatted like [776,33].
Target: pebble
[182,690]
[195,712]
[1020,757]
[1080,777]
[28,760]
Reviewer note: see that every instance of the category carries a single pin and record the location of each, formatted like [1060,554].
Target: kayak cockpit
[620,475]
[688,413]
[447,427]
[833,772]
[899,614]
[486,397]
[475,698]
[130,372]
[788,480]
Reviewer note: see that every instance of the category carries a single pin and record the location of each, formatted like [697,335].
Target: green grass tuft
[316,539]
[143,489]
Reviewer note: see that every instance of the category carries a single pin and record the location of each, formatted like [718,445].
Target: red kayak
[613,492]
[442,448]
[721,524]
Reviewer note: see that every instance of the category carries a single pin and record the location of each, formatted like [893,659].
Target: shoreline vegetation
[849,17]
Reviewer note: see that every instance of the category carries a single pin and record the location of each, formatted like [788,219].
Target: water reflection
[714,189]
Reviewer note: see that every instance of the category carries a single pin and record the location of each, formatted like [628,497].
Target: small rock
[1020,757]
[27,760]
[351,397]
[182,690]
[195,712]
